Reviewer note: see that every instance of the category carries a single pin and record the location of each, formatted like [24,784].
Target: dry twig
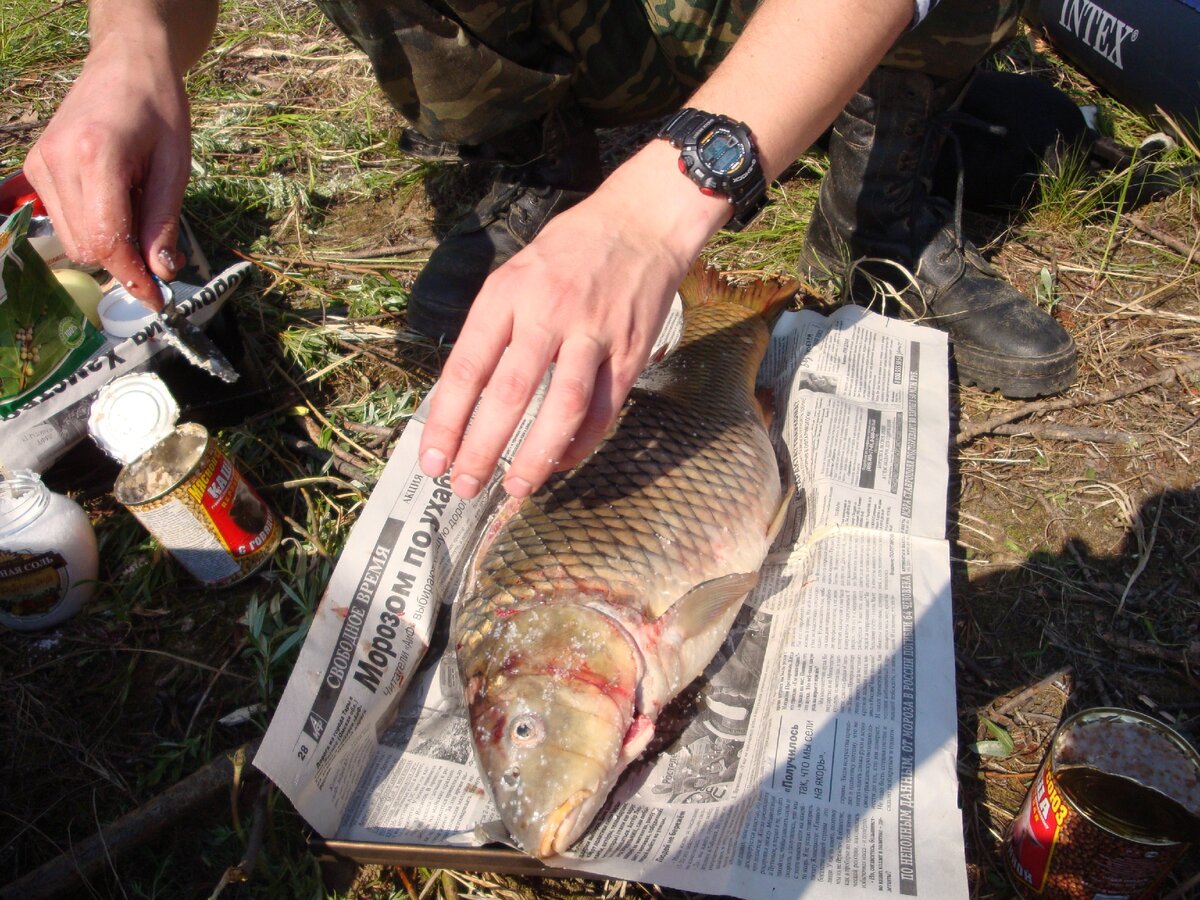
[1188,253]
[1066,433]
[988,426]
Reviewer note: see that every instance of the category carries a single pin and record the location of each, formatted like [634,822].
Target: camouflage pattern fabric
[466,71]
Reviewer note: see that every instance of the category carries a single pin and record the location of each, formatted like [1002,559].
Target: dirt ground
[1074,527]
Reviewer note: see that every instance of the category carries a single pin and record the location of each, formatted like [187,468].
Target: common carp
[588,606]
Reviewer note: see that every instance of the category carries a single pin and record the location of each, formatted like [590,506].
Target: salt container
[48,556]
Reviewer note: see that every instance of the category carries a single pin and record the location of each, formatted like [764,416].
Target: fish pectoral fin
[637,739]
[695,611]
[781,514]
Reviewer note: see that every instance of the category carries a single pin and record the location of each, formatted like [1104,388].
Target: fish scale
[593,602]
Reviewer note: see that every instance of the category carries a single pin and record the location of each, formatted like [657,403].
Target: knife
[193,344]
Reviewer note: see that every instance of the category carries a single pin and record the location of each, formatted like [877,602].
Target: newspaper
[49,424]
[815,757]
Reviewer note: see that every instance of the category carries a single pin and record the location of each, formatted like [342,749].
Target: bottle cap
[122,315]
[131,414]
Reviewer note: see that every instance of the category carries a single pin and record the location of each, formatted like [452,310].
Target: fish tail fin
[766,296]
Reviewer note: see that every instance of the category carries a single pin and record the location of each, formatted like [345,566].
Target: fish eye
[527,730]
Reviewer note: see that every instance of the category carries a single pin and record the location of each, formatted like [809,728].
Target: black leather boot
[877,228]
[523,198]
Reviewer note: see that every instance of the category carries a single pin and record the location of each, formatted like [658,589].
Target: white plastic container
[122,315]
[48,556]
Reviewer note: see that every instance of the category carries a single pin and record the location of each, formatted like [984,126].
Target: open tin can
[1113,807]
[179,484]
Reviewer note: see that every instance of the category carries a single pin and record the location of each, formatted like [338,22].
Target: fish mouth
[559,832]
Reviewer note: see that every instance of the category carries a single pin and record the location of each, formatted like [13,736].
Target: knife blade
[194,345]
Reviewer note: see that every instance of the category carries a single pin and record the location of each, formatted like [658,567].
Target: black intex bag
[1146,53]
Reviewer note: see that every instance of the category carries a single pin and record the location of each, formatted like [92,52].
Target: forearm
[113,162]
[177,30]
[591,292]
[795,67]
[787,77]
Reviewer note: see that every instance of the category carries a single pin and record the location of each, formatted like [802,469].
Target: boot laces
[906,291]
[941,132]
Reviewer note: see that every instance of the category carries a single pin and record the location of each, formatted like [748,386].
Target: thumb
[158,218]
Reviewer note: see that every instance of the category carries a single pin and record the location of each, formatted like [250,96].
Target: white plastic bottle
[48,556]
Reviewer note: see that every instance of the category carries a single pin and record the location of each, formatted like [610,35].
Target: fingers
[158,215]
[59,191]
[608,395]
[112,217]
[465,376]
[90,206]
[504,400]
[586,391]
[564,409]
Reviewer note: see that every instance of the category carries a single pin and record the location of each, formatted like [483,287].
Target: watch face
[721,151]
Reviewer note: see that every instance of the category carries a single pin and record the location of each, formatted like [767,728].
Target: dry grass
[1076,527]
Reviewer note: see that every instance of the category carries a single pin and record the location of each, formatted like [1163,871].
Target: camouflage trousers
[466,71]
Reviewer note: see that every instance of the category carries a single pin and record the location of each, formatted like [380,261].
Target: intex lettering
[1098,28]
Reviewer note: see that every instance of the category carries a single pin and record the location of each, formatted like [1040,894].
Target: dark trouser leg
[876,213]
[523,82]
[469,71]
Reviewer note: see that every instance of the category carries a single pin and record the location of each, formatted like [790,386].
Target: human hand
[590,295]
[112,165]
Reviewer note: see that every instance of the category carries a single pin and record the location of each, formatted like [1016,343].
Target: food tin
[179,484]
[1112,808]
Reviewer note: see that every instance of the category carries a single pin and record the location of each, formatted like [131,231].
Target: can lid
[131,414]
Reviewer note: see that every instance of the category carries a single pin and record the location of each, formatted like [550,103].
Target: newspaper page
[814,757]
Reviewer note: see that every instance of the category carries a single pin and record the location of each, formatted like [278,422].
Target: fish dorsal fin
[766,296]
[704,604]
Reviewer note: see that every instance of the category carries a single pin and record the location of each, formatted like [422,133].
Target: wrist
[173,35]
[667,202]
[147,45]
[718,154]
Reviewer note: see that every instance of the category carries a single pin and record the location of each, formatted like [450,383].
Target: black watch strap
[747,192]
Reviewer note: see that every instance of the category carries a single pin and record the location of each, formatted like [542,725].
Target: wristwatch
[718,154]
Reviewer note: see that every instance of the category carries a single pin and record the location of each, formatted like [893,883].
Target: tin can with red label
[179,484]
[1112,808]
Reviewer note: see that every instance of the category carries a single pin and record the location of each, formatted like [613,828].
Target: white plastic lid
[122,316]
[131,414]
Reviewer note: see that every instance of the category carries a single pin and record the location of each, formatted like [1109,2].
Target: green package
[44,335]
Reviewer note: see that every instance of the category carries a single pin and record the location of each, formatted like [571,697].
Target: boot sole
[1042,377]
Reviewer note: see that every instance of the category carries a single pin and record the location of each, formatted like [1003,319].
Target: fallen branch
[316,413]
[382,252]
[368,428]
[1188,657]
[1188,253]
[1067,433]
[1050,681]
[66,873]
[989,426]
